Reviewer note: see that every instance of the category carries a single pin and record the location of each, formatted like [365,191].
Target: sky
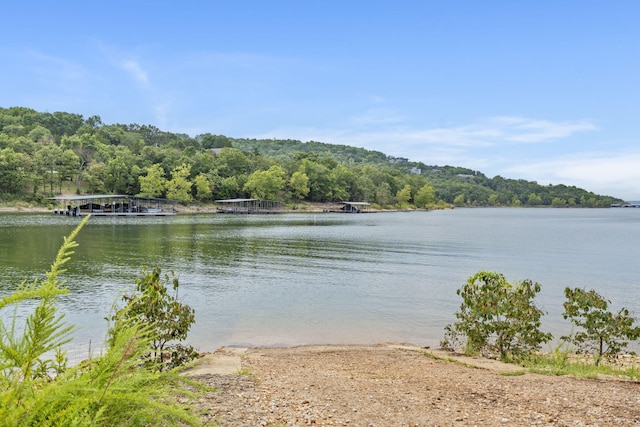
[541,90]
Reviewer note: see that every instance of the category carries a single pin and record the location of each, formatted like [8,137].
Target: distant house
[465,175]
[397,159]
[416,170]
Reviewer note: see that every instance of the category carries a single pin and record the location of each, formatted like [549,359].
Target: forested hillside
[44,154]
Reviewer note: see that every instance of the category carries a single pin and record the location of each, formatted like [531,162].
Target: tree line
[44,154]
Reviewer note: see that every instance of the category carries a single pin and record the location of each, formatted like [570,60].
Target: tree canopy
[43,154]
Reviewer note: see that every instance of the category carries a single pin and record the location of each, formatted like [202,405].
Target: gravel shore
[399,385]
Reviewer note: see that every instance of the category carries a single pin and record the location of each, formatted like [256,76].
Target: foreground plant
[39,389]
[601,332]
[497,318]
[166,320]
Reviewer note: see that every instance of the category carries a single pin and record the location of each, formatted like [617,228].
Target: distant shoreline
[207,208]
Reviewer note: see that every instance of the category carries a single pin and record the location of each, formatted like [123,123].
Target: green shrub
[601,333]
[168,320]
[497,318]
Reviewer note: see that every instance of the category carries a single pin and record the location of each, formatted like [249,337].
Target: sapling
[497,318]
[600,332]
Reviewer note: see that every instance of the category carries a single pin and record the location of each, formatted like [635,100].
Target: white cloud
[136,71]
[394,133]
[603,173]
[518,129]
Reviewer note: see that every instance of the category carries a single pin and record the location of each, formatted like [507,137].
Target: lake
[290,279]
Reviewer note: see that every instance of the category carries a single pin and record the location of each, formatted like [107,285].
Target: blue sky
[547,91]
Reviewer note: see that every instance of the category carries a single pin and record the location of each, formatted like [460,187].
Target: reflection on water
[327,278]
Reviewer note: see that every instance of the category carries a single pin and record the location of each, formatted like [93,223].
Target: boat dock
[114,205]
[248,206]
[350,207]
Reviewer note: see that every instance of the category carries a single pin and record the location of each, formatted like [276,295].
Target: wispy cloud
[136,71]
[605,173]
[501,131]
[393,130]
[524,130]
[55,71]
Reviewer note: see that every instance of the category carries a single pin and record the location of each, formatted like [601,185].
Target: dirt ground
[396,385]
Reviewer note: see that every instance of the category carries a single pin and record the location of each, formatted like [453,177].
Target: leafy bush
[168,320]
[602,333]
[38,389]
[497,318]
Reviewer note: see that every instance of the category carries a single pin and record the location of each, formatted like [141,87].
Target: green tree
[121,172]
[319,180]
[46,165]
[13,167]
[534,200]
[179,187]
[425,196]
[383,194]
[601,332]
[209,141]
[95,177]
[459,200]
[267,184]
[343,183]
[228,188]
[203,187]
[497,317]
[231,161]
[41,134]
[299,184]
[68,167]
[153,183]
[403,196]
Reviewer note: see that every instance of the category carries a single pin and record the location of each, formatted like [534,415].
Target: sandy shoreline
[399,385]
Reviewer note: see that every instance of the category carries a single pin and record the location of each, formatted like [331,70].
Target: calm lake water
[327,278]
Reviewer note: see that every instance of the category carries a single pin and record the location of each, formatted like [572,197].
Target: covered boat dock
[350,207]
[114,205]
[248,206]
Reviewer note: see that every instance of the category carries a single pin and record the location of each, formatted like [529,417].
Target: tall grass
[562,360]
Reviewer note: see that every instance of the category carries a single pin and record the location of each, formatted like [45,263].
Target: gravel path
[392,385]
